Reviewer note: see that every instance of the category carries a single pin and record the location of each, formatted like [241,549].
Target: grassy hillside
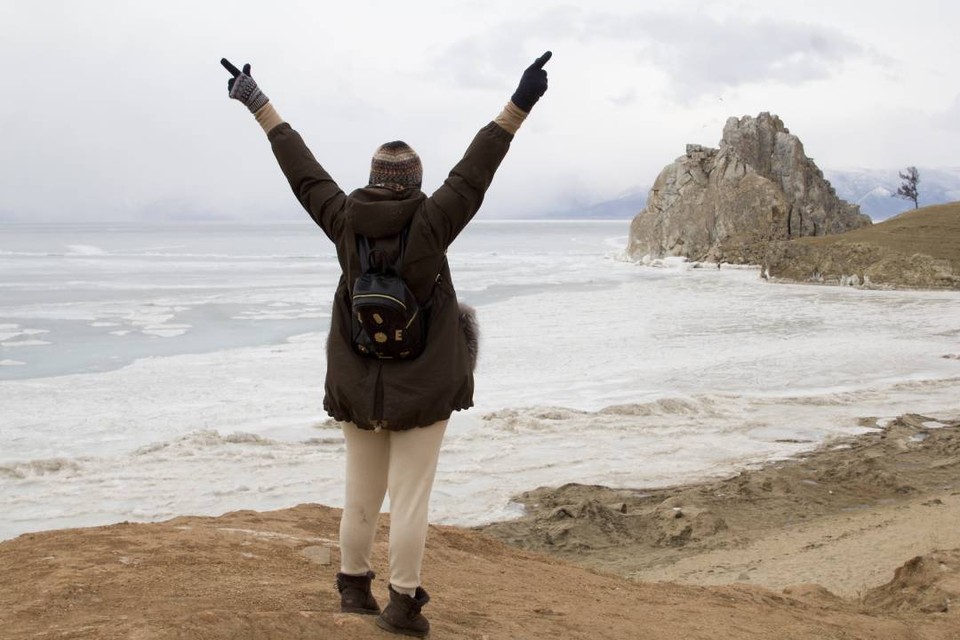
[918,249]
[934,231]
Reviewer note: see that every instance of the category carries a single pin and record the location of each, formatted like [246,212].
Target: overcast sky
[117,110]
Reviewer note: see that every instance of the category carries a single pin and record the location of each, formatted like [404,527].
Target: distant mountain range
[872,189]
[625,206]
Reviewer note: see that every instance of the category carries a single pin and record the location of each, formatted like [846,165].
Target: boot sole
[386,626]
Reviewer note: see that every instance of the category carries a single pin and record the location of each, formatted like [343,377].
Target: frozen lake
[147,372]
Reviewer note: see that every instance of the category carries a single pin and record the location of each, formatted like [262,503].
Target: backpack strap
[364,249]
[398,263]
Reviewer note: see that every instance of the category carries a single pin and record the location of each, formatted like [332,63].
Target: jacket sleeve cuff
[268,117]
[510,118]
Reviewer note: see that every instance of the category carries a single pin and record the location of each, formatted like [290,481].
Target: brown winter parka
[394,394]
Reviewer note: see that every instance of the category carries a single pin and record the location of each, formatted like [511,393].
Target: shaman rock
[729,204]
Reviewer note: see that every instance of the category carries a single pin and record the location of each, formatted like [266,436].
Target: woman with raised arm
[393,405]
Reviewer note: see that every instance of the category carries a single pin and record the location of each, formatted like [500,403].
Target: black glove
[244,88]
[532,85]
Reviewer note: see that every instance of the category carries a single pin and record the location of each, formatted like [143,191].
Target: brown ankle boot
[403,615]
[355,595]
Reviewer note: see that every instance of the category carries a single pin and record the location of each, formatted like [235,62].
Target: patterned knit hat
[395,164]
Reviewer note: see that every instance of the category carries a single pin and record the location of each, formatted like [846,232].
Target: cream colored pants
[403,463]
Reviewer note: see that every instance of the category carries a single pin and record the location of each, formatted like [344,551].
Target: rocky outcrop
[729,204]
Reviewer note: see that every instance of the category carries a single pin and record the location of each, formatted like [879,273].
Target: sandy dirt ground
[838,516]
[860,539]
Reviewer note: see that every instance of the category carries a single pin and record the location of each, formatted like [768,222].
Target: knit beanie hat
[396,164]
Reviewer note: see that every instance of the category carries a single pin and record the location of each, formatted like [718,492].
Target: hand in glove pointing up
[243,87]
[533,84]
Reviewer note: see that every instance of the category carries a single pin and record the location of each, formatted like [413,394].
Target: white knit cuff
[511,118]
[268,117]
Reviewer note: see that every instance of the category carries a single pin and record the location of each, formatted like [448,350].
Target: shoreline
[842,516]
[248,452]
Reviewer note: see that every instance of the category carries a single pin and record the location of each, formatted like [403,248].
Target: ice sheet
[592,369]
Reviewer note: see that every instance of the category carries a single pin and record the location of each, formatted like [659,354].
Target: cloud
[699,55]
[489,59]
[625,98]
[950,118]
[703,55]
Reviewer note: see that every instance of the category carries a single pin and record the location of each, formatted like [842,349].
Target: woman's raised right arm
[311,184]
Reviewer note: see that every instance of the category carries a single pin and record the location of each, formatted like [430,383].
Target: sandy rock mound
[638,532]
[928,584]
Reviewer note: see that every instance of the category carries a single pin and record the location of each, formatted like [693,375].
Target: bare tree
[908,190]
